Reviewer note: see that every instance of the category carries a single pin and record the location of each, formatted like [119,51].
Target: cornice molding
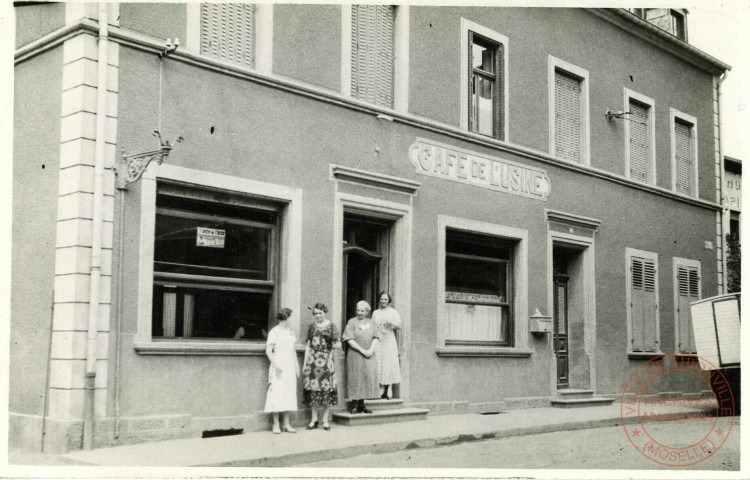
[372,179]
[572,219]
[155,45]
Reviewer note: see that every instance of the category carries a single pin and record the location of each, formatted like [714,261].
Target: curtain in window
[228,31]
[567,117]
[688,281]
[683,158]
[643,305]
[639,142]
[372,53]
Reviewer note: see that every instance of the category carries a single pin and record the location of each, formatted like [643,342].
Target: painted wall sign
[210,237]
[732,190]
[450,163]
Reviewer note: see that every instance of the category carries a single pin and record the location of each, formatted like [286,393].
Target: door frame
[581,235]
[399,264]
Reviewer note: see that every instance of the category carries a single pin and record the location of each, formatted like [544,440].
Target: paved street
[606,447]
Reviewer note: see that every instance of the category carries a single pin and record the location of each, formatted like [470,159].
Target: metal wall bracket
[130,168]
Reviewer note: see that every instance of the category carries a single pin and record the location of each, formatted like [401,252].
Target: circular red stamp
[653,398]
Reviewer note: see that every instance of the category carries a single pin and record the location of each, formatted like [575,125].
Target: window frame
[629,95]
[467,29]
[654,257]
[517,240]
[676,116]
[288,282]
[554,65]
[678,262]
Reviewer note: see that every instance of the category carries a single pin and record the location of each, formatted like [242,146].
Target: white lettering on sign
[210,237]
[450,163]
[732,190]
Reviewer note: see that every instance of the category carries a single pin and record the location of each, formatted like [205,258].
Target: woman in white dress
[387,320]
[281,396]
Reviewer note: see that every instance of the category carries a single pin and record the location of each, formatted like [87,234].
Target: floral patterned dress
[320,382]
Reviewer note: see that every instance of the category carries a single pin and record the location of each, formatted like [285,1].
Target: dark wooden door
[560,335]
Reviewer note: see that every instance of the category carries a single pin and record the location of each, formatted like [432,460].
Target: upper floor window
[684,153]
[372,54]
[569,117]
[639,137]
[484,104]
[668,19]
[227,31]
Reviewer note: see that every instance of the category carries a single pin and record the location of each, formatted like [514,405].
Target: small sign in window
[210,237]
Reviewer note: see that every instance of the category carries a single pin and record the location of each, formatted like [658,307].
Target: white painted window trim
[520,283]
[629,254]
[289,283]
[466,27]
[676,263]
[400,50]
[684,117]
[554,64]
[263,61]
[629,94]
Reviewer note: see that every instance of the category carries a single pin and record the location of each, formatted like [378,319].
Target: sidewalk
[264,449]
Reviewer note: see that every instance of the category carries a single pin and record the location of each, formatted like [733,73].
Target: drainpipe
[96,237]
[725,276]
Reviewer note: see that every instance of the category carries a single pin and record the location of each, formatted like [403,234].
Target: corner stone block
[112,104]
[71,288]
[75,205]
[80,46]
[77,178]
[79,99]
[72,345]
[111,130]
[113,84]
[74,316]
[80,151]
[71,374]
[72,260]
[74,232]
[79,72]
[78,125]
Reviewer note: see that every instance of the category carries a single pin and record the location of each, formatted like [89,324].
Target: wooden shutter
[567,117]
[372,53]
[228,31]
[683,158]
[688,281]
[643,305]
[639,142]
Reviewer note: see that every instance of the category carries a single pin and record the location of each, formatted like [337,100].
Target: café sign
[450,163]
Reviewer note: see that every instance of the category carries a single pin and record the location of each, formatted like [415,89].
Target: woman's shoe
[364,410]
[353,410]
[288,430]
[384,396]
[312,425]
[276,430]
[326,427]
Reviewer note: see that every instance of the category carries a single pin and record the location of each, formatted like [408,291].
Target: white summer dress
[386,352]
[282,389]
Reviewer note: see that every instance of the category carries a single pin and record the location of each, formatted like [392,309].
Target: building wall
[36,143]
[35,21]
[164,20]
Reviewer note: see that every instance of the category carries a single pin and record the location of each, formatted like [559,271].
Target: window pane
[475,276]
[483,57]
[482,93]
[211,247]
[209,313]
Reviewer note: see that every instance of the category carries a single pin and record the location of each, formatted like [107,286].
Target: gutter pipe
[96,237]
[724,209]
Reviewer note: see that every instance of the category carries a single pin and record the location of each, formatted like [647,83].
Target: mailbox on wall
[539,323]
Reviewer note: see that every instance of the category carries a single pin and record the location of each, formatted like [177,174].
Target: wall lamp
[130,168]
[610,114]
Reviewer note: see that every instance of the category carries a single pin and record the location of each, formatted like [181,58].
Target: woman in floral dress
[320,382]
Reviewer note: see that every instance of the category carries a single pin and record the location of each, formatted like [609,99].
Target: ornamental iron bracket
[130,168]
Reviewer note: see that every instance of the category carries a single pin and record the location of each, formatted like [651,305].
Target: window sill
[644,355]
[186,347]
[456,351]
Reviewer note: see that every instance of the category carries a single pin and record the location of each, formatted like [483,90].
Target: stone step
[574,393]
[581,402]
[382,404]
[381,416]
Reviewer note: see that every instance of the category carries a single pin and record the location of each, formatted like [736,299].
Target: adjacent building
[539,189]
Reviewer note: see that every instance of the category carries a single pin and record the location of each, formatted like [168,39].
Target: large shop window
[478,286]
[687,290]
[215,264]
[227,31]
[643,304]
[373,28]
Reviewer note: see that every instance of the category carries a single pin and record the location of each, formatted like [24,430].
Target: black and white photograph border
[270,239]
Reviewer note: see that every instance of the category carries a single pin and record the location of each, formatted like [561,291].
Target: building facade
[539,189]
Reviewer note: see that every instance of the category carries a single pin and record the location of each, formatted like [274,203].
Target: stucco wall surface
[35,21]
[163,20]
[36,146]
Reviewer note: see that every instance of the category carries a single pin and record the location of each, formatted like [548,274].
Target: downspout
[724,245]
[96,236]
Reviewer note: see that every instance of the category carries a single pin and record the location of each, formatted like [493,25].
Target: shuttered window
[485,86]
[568,121]
[688,290]
[372,53]
[228,31]
[684,158]
[639,142]
[643,305]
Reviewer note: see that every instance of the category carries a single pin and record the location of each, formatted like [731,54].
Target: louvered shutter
[567,117]
[683,158]
[643,305]
[688,281]
[639,142]
[228,31]
[372,53]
